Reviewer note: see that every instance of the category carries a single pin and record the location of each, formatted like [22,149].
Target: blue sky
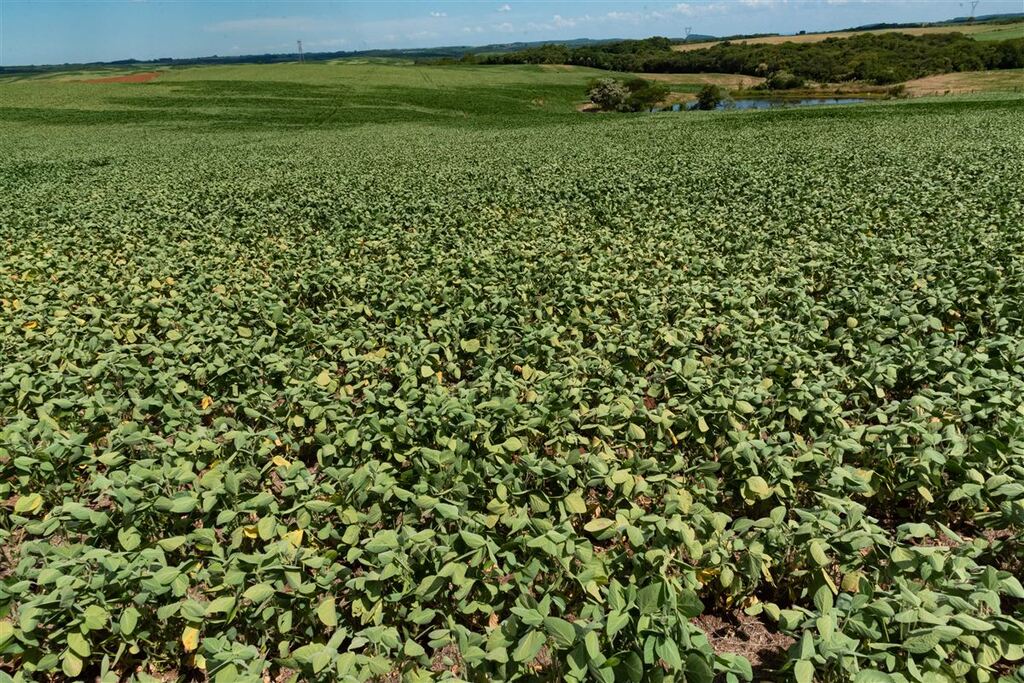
[58,31]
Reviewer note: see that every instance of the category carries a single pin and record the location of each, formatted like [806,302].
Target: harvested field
[695,80]
[977,31]
[1010,80]
[144,77]
[724,80]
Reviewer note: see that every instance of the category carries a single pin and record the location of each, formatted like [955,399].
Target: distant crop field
[681,82]
[1009,80]
[1000,32]
[367,372]
[976,31]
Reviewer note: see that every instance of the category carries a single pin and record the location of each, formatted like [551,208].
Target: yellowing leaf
[250,531]
[206,403]
[190,638]
[851,582]
[294,537]
[705,575]
[30,325]
[28,503]
[6,631]
[280,462]
[324,378]
[327,613]
[758,487]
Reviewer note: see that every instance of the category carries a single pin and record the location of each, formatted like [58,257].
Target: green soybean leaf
[258,592]
[803,671]
[128,620]
[561,631]
[529,645]
[79,645]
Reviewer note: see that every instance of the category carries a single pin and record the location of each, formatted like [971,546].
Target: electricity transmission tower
[974,6]
[687,30]
[300,51]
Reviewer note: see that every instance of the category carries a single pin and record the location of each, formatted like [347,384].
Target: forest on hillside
[881,58]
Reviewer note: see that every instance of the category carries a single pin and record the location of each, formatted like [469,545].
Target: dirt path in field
[130,78]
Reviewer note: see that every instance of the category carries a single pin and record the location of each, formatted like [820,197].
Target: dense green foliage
[503,396]
[709,97]
[634,95]
[876,58]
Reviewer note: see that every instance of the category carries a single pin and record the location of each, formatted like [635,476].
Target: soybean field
[401,373]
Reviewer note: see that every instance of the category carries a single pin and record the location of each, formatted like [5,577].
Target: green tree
[644,94]
[709,97]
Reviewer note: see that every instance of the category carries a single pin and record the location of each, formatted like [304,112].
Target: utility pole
[300,51]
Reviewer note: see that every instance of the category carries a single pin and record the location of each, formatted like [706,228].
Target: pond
[778,104]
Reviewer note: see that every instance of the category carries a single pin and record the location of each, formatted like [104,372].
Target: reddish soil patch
[130,78]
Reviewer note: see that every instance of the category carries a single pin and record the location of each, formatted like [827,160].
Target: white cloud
[561,22]
[329,42]
[687,9]
[504,27]
[505,8]
[631,17]
[264,24]
[439,14]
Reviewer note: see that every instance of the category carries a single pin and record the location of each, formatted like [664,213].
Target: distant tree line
[880,58]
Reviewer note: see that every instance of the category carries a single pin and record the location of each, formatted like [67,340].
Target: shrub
[709,97]
[644,94]
[608,94]
[784,80]
[635,95]
[899,90]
